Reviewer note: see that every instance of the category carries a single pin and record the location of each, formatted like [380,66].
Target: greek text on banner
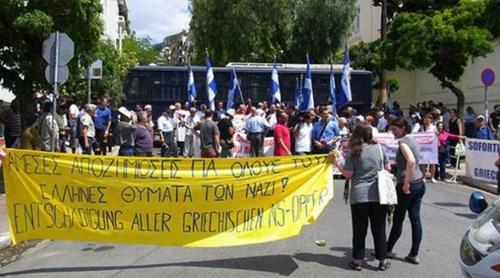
[184,202]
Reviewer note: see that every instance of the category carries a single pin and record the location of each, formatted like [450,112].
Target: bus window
[137,87]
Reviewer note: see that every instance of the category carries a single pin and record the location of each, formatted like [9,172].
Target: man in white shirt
[87,128]
[167,125]
[190,122]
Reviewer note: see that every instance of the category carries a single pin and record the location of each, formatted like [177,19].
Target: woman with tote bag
[362,166]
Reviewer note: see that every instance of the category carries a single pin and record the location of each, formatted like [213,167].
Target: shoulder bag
[386,187]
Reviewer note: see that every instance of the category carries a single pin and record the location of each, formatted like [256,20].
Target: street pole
[89,85]
[55,95]
[486,104]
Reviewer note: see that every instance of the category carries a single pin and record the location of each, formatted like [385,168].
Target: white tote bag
[386,187]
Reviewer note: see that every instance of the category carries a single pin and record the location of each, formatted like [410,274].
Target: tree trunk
[382,96]
[458,93]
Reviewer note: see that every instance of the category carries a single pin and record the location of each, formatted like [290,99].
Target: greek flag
[298,93]
[345,84]
[275,85]
[211,86]
[191,88]
[332,91]
[307,91]
[234,91]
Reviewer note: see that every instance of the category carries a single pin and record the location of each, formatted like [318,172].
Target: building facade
[114,17]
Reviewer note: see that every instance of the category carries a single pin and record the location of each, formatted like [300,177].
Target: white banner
[480,157]
[428,146]
[242,146]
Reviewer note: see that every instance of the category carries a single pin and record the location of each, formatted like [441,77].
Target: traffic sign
[488,77]
[62,74]
[66,49]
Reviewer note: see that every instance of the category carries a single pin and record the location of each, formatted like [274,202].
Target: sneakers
[383,266]
[412,259]
[433,180]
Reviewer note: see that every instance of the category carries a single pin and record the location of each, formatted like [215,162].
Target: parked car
[480,247]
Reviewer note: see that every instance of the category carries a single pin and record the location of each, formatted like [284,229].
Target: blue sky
[158,18]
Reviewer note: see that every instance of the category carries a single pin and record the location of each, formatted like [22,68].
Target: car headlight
[468,254]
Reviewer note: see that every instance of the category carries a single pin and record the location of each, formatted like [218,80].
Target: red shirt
[281,131]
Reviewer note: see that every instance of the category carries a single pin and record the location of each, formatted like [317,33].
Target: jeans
[226,149]
[101,141]
[189,146]
[88,149]
[443,159]
[256,144]
[411,203]
[62,143]
[361,214]
[126,151]
[169,149]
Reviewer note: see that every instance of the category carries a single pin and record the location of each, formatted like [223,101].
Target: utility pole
[382,97]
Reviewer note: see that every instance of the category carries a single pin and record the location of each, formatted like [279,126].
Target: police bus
[161,86]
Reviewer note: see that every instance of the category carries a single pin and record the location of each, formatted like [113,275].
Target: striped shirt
[12,121]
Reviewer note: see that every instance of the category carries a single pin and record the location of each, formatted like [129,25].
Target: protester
[73,128]
[410,190]
[167,125]
[325,134]
[282,140]
[272,118]
[361,166]
[11,119]
[62,124]
[209,136]
[494,120]
[470,118]
[256,128]
[370,120]
[220,111]
[180,117]
[382,123]
[48,129]
[102,122]
[143,139]
[87,129]
[150,124]
[455,127]
[429,127]
[191,121]
[124,132]
[443,151]
[226,130]
[483,131]
[30,138]
[302,133]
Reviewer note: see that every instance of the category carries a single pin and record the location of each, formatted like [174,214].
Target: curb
[491,188]
[5,240]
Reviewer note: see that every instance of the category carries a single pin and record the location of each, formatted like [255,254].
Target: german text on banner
[184,202]
[480,157]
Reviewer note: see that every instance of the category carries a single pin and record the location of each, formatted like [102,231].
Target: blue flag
[307,91]
[211,86]
[332,91]
[345,84]
[191,88]
[234,91]
[275,85]
[298,93]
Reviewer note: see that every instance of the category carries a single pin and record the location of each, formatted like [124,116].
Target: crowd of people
[189,131]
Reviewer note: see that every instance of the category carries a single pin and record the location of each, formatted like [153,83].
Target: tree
[256,31]
[443,42]
[243,30]
[141,49]
[24,25]
[320,28]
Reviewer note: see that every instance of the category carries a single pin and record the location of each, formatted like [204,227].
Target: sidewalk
[4,226]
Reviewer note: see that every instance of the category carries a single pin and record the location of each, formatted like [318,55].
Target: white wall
[369,19]
[421,86]
[110,19]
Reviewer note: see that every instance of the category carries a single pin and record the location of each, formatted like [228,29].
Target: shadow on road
[467,215]
[449,204]
[279,264]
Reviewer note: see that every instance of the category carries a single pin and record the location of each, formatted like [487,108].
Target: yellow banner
[163,201]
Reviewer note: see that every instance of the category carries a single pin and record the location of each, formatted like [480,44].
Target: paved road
[445,219]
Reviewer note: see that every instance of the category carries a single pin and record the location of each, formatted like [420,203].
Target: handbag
[386,187]
[459,149]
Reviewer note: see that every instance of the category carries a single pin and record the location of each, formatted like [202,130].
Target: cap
[230,112]
[171,107]
[124,111]
[481,117]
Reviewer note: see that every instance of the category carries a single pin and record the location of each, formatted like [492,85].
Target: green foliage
[140,49]
[443,42]
[256,31]
[320,28]
[24,25]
